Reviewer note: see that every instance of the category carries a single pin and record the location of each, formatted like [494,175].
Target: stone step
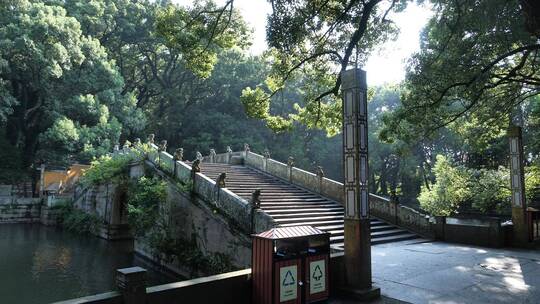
[308,220]
[340,227]
[389,232]
[268,192]
[301,210]
[290,205]
[301,205]
[301,216]
[395,238]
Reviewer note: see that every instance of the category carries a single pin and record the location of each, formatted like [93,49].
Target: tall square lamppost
[355,170]
[517,182]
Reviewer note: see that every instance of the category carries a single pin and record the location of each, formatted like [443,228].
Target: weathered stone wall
[229,204]
[218,220]
[19,209]
[192,218]
[107,202]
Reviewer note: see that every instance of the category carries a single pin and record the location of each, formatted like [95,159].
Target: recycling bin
[290,265]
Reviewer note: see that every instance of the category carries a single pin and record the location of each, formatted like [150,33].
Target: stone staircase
[290,205]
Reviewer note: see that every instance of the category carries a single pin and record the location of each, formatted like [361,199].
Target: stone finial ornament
[116,148]
[246,147]
[229,150]
[220,182]
[199,156]
[256,199]
[290,161]
[179,154]
[266,153]
[125,147]
[196,166]
[162,146]
[212,153]
[319,171]
[137,142]
[151,138]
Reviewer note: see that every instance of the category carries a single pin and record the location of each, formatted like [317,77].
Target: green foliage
[76,220]
[200,32]
[106,169]
[532,181]
[487,191]
[60,88]
[145,196]
[11,169]
[502,59]
[311,44]
[449,190]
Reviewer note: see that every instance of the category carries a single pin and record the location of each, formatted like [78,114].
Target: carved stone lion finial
[151,138]
[319,171]
[229,150]
[290,161]
[220,182]
[213,153]
[137,142]
[256,198]
[179,154]
[246,147]
[126,146]
[195,166]
[199,156]
[266,153]
[162,146]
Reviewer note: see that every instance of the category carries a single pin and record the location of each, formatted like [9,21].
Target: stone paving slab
[436,272]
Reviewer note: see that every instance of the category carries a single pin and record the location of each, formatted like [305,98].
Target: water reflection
[41,264]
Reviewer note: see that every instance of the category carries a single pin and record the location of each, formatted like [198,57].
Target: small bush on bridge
[145,196]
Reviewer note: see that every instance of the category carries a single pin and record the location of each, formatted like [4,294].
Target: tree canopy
[478,62]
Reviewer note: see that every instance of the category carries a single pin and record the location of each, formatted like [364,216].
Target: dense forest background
[78,77]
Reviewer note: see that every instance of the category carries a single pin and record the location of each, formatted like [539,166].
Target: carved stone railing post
[161,147]
[320,175]
[212,155]
[290,165]
[195,167]
[150,139]
[246,151]
[394,205]
[266,155]
[220,183]
[229,154]
[255,205]
[178,156]
[199,156]
[126,146]
[132,284]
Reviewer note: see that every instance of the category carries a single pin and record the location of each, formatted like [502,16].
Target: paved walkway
[435,272]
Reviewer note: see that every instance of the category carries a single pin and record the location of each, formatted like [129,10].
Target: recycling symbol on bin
[317,273]
[289,279]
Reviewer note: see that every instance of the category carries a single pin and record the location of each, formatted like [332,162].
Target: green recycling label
[317,276]
[288,280]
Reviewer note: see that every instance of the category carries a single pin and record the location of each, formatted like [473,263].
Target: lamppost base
[363,295]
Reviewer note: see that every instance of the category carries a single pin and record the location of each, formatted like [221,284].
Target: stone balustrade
[236,208]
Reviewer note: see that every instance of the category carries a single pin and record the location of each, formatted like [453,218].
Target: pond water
[40,264]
